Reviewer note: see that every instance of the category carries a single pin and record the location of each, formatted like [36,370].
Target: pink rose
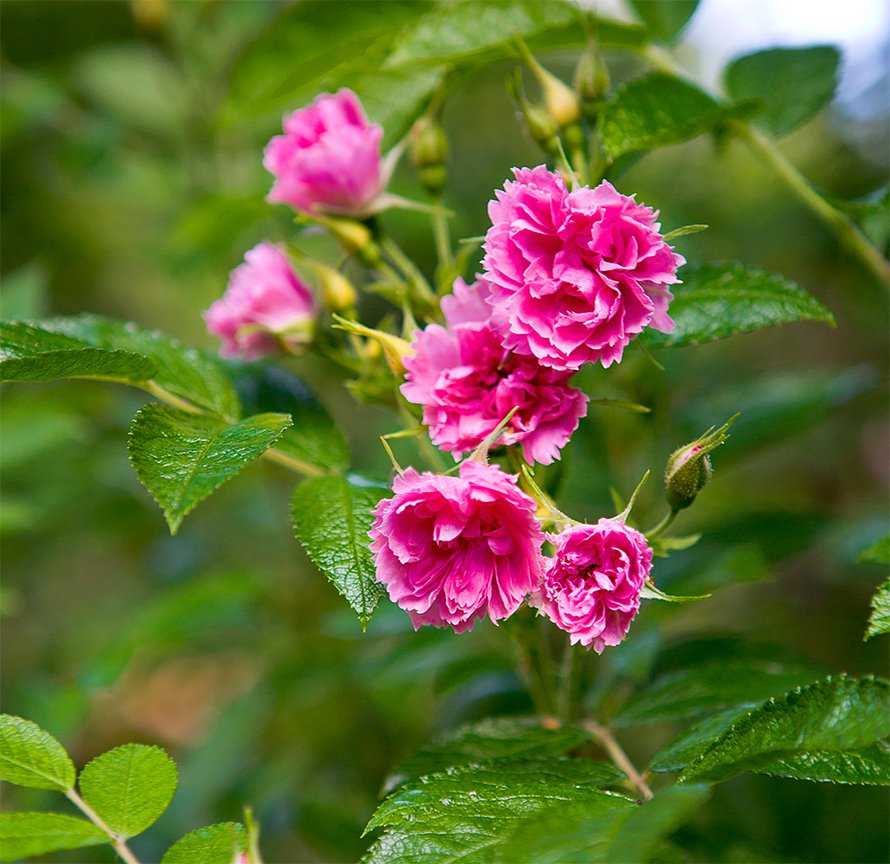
[575,275]
[468,382]
[591,588]
[266,308]
[328,159]
[451,549]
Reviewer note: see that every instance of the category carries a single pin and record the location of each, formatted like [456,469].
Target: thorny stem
[768,151]
[117,841]
[616,753]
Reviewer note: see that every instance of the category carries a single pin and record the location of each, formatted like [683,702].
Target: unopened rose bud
[541,127]
[689,468]
[591,77]
[428,144]
[354,237]
[560,100]
[394,348]
[337,292]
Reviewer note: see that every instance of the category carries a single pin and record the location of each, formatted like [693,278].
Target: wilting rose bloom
[575,275]
[328,159]
[453,549]
[468,382]
[591,588]
[266,308]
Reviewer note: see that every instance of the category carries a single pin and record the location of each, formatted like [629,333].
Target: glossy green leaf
[709,688]
[664,20]
[129,787]
[331,518]
[836,714]
[313,438]
[29,353]
[215,844]
[656,111]
[867,767]
[31,757]
[677,754]
[338,45]
[583,835]
[791,83]
[879,621]
[24,835]
[720,300]
[493,738]
[468,814]
[458,31]
[182,457]
[184,372]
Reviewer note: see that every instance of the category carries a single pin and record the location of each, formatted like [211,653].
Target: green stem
[768,151]
[662,526]
[569,678]
[619,758]
[530,671]
[442,237]
[118,842]
[844,228]
[409,268]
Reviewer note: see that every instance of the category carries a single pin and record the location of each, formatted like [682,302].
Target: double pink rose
[591,588]
[266,308]
[328,160]
[452,549]
[575,275]
[468,382]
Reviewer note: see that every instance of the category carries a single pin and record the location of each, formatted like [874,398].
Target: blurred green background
[131,139]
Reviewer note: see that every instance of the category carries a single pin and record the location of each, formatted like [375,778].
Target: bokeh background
[132,183]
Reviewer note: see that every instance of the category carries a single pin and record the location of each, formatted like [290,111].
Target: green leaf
[24,835]
[468,813]
[677,754]
[656,111]
[331,519]
[664,20]
[215,844]
[184,372]
[463,30]
[709,688]
[314,437]
[182,457]
[490,739]
[28,353]
[129,787]
[836,714]
[650,592]
[877,553]
[720,300]
[879,621]
[31,757]
[867,767]
[791,83]
[583,835]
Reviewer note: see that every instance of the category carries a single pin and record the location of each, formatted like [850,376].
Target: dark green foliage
[791,84]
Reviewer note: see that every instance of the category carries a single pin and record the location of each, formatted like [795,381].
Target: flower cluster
[569,278]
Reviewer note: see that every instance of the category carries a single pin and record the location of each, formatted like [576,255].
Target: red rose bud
[689,468]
